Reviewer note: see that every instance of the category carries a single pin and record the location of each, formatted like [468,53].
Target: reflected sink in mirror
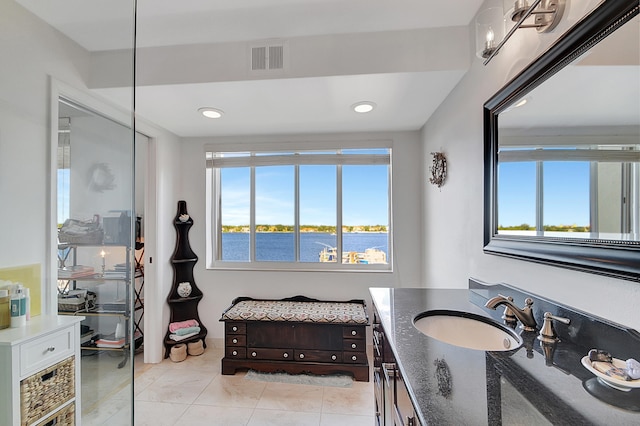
[467,330]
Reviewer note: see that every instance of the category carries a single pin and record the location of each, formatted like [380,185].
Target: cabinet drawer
[46,350]
[235,327]
[236,340]
[270,354]
[235,352]
[354,345]
[354,332]
[355,358]
[44,391]
[64,417]
[317,356]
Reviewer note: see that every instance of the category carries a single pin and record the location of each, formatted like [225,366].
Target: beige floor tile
[282,396]
[328,419]
[283,418]
[207,415]
[176,386]
[231,391]
[154,414]
[104,411]
[357,400]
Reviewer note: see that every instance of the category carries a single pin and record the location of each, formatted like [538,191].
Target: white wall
[221,287]
[453,224]
[32,52]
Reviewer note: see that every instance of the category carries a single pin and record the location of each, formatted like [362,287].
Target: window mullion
[539,197]
[252,216]
[296,225]
[339,214]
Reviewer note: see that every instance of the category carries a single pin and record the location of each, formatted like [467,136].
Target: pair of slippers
[179,352]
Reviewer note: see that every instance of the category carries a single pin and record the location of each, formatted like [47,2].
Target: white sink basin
[467,330]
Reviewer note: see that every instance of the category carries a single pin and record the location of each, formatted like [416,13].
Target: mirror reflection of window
[569,192]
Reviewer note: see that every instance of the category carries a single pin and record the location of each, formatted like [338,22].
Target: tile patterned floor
[194,393]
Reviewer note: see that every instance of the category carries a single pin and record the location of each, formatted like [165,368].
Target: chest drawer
[354,345]
[270,354]
[354,332]
[233,352]
[318,356]
[235,327]
[355,358]
[46,350]
[236,340]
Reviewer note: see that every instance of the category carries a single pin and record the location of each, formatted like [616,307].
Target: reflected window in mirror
[569,191]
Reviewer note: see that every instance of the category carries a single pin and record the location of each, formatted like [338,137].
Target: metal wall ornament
[438,169]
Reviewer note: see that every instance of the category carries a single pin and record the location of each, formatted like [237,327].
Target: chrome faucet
[525,315]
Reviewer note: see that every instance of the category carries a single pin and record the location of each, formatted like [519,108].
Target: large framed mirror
[562,151]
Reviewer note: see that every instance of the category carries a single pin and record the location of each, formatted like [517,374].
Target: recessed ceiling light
[211,112]
[363,107]
[521,102]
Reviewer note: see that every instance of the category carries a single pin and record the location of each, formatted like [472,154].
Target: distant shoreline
[305,232]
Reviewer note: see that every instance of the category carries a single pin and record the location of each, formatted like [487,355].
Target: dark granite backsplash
[585,331]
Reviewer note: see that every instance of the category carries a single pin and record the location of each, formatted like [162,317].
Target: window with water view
[313,210]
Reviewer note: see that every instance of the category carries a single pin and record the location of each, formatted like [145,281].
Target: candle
[103,254]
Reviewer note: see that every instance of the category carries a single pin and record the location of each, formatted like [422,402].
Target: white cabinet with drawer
[40,372]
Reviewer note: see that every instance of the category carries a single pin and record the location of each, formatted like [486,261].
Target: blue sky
[365,190]
[566,193]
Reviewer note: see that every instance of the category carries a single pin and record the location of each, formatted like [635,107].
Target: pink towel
[182,324]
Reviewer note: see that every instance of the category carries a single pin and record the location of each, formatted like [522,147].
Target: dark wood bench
[296,335]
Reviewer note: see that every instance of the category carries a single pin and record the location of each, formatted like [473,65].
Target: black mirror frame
[619,259]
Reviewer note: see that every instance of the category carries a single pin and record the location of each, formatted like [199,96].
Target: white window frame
[213,224]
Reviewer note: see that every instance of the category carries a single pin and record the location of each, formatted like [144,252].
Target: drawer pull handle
[301,356]
[353,358]
[353,332]
[51,349]
[333,357]
[49,375]
[234,353]
[235,340]
[234,328]
[286,355]
[353,346]
[254,354]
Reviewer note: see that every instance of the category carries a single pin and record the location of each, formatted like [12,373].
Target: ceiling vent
[268,57]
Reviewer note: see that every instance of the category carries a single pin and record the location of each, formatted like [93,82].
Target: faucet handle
[508,316]
[547,333]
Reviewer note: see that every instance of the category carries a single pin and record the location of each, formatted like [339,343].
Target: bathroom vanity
[447,384]
[40,372]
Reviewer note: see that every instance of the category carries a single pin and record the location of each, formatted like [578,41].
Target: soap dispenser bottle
[18,308]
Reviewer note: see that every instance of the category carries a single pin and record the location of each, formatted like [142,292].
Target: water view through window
[325,206]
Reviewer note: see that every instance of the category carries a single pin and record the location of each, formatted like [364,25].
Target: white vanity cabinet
[40,372]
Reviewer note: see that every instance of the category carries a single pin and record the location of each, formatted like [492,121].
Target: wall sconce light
[545,14]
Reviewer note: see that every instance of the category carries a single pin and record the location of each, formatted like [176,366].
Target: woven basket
[80,232]
[94,237]
[64,417]
[46,390]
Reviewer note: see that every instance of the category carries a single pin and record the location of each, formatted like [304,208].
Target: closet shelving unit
[120,308]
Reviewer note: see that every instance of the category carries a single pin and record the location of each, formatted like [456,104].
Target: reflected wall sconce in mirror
[438,169]
[490,23]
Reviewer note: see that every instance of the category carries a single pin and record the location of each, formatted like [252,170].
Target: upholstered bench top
[297,311]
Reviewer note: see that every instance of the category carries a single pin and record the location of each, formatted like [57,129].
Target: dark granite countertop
[489,387]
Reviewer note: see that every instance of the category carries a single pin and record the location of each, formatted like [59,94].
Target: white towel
[178,338]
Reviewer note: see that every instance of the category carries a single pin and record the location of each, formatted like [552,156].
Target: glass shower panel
[74,169]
